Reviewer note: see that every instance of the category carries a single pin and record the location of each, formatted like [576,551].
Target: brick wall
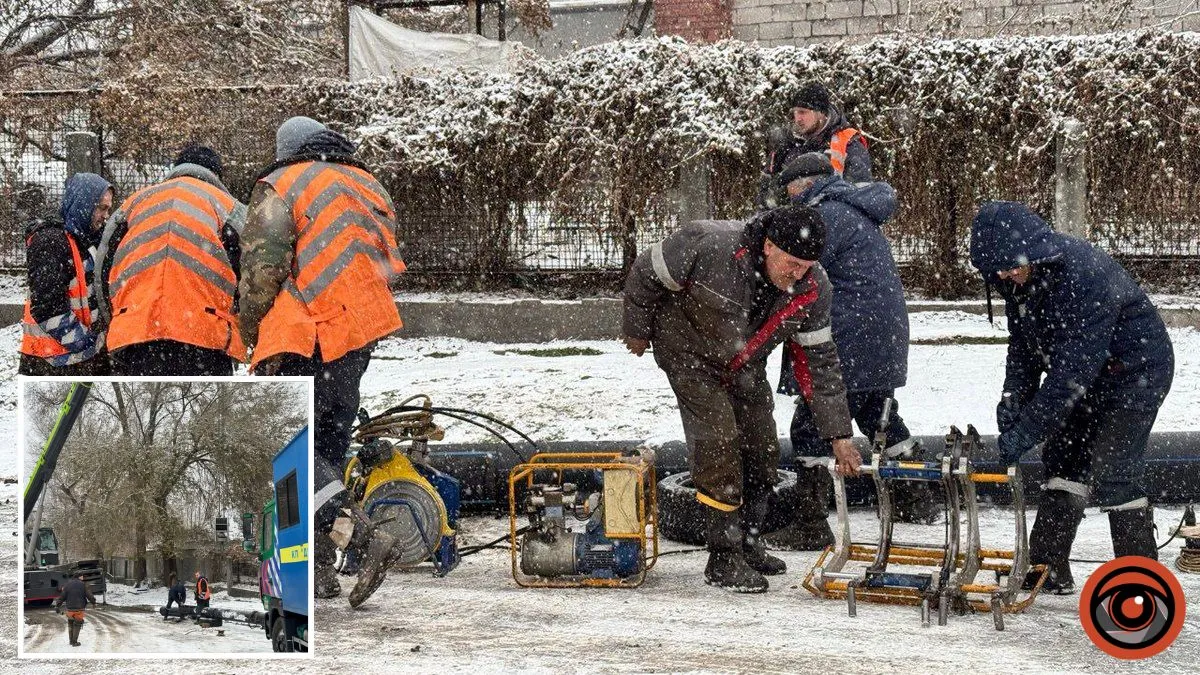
[794,22]
[694,20]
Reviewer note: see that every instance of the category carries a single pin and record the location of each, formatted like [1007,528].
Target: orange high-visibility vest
[338,294]
[35,341]
[202,590]
[838,146]
[171,278]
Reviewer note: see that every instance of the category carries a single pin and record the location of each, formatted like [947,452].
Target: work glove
[1013,444]
[1008,411]
[58,609]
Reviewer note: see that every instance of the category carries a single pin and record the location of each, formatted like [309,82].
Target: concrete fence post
[83,152]
[1070,180]
[694,200]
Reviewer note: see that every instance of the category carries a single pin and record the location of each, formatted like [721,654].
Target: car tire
[682,518]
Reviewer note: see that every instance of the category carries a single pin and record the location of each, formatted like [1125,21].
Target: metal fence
[462,240]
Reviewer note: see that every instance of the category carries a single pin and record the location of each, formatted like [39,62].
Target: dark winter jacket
[870,320]
[50,267]
[693,296]
[790,146]
[74,595]
[1080,319]
[118,224]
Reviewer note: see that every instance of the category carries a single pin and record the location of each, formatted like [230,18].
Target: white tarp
[379,47]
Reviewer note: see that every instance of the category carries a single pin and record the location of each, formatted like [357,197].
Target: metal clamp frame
[949,581]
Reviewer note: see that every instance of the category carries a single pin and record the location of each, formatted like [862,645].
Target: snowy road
[115,630]
[477,619]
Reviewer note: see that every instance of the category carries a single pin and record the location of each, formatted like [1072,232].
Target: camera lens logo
[1132,607]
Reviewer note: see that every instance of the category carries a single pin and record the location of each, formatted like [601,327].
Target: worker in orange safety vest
[170,272]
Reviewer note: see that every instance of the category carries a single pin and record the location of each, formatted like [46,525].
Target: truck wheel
[681,518]
[279,637]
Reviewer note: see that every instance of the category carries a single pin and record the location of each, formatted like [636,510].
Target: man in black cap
[75,596]
[817,126]
[715,299]
[171,264]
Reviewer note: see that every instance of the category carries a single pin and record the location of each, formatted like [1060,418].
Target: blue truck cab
[284,582]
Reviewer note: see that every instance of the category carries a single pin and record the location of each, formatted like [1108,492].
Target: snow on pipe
[1172,466]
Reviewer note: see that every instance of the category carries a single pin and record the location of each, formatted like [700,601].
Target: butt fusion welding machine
[391,479]
[617,540]
[951,584]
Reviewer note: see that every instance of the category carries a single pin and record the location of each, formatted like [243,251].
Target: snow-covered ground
[595,390]
[116,629]
[476,619]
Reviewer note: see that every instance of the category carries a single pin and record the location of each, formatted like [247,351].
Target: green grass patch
[552,351]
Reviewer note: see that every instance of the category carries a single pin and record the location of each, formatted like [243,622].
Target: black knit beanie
[201,155]
[812,96]
[808,164]
[798,230]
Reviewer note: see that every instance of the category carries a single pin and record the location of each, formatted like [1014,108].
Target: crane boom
[44,468]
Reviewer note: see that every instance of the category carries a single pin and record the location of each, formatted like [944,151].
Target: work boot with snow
[810,530]
[73,627]
[754,514]
[326,584]
[729,570]
[379,555]
[727,566]
[1133,532]
[1050,539]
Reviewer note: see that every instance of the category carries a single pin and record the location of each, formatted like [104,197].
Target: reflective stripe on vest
[338,294]
[340,212]
[838,146]
[171,269]
[36,341]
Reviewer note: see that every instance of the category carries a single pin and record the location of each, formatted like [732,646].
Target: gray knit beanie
[292,134]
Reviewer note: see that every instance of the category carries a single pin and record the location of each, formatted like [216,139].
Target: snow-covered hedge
[954,122]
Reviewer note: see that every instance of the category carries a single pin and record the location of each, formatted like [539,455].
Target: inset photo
[165,517]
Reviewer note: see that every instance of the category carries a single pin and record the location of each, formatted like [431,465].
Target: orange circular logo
[1132,607]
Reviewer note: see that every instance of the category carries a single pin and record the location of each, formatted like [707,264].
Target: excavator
[45,569]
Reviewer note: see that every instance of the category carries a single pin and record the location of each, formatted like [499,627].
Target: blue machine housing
[599,557]
[449,489]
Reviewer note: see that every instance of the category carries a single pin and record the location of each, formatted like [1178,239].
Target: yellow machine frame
[398,468]
[560,462]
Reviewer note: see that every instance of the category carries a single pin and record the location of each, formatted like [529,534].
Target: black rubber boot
[754,514]
[727,566]
[810,530]
[326,584]
[1058,518]
[73,627]
[1133,532]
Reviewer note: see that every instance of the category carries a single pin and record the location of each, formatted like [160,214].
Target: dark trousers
[1103,446]
[865,407]
[335,396]
[39,367]
[730,431]
[170,358]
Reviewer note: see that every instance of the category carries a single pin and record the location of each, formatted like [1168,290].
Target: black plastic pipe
[1172,467]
